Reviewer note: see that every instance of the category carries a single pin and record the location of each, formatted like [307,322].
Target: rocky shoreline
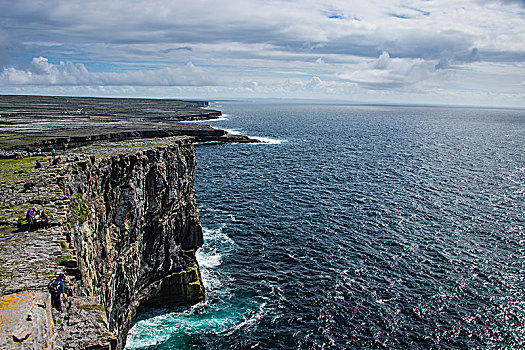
[202,134]
[123,227]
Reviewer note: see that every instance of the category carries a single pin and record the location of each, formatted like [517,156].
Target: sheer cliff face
[135,227]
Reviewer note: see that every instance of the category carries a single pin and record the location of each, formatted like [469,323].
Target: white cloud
[263,47]
[390,73]
[42,72]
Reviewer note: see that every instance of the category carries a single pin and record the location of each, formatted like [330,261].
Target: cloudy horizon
[414,51]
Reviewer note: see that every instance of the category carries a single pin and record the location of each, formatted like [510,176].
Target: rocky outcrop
[198,133]
[124,228]
[26,321]
[134,226]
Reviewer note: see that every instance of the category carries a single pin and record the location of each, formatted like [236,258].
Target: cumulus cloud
[42,72]
[390,73]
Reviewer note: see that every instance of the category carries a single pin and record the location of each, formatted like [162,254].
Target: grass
[15,164]
[89,307]
[63,258]
[13,171]
[80,209]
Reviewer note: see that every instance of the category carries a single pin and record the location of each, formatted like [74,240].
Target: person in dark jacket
[28,185]
[56,288]
[44,220]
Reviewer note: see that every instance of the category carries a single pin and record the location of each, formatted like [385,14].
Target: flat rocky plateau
[28,123]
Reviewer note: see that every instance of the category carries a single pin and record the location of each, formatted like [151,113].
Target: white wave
[220,119]
[212,237]
[262,139]
[209,255]
[233,131]
[267,140]
[217,243]
[149,332]
[160,328]
[209,260]
[209,233]
[248,321]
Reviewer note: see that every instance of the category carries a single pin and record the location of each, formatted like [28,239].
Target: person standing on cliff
[30,217]
[56,288]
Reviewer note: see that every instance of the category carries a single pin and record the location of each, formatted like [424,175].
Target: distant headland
[46,122]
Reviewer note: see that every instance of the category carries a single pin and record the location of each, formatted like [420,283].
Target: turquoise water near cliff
[357,227]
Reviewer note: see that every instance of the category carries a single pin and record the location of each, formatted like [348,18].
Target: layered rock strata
[135,227]
[131,230]
[198,133]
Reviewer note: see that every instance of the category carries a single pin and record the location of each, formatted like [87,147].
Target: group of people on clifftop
[39,219]
[36,219]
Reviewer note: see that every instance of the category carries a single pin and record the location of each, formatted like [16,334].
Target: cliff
[136,227]
[130,229]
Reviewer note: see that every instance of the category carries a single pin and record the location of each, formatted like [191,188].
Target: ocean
[357,227]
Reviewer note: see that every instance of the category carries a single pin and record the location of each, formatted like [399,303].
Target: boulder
[26,321]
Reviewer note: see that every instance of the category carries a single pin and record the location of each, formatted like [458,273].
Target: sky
[469,52]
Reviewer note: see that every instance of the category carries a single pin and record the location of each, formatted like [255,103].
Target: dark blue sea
[357,227]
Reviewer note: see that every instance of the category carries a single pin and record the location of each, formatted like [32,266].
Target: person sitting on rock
[56,288]
[36,220]
[38,165]
[30,217]
[56,161]
[43,219]
[29,185]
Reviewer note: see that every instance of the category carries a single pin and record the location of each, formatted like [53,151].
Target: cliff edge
[124,227]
